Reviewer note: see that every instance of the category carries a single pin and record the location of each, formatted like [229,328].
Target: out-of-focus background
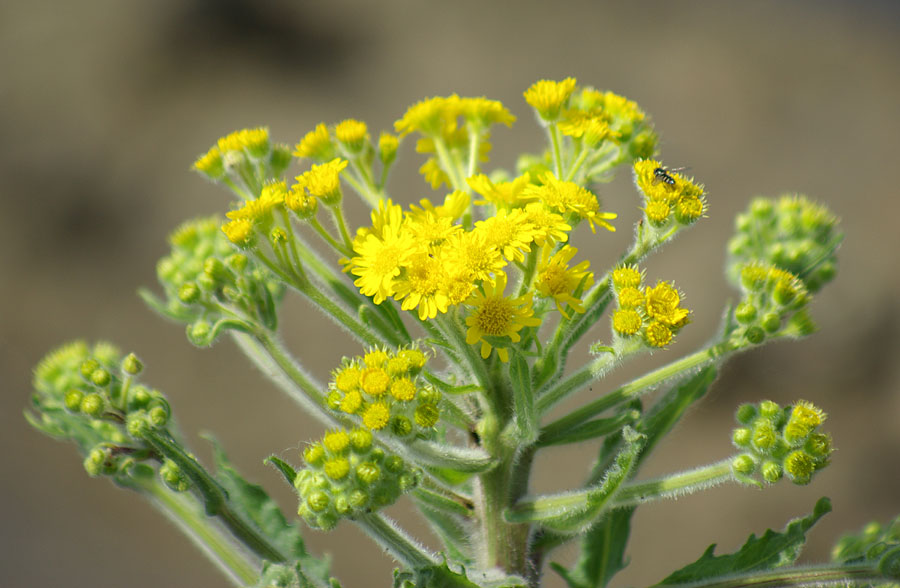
[105,104]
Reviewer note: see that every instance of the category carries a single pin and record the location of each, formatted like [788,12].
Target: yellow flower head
[387,147]
[662,305]
[352,134]
[510,232]
[548,98]
[423,116]
[375,381]
[494,316]
[423,285]
[211,164]
[239,232]
[403,389]
[627,321]
[304,204]
[569,198]
[347,379]
[502,194]
[557,280]
[380,260]
[626,277]
[433,173]
[658,335]
[375,358]
[483,112]
[255,141]
[336,442]
[551,227]
[455,204]
[469,257]
[316,144]
[588,126]
[323,181]
[376,416]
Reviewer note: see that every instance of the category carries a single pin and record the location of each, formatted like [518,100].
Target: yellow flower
[552,228]
[376,416]
[548,97]
[502,194]
[352,133]
[470,258]
[316,144]
[626,321]
[496,316]
[347,379]
[323,181]
[510,232]
[379,261]
[255,141]
[239,232]
[662,305]
[658,334]
[483,112]
[423,285]
[430,229]
[626,277]
[374,381]
[423,116]
[589,126]
[569,197]
[304,204]
[387,147]
[455,204]
[403,389]
[557,280]
[211,164]
[434,174]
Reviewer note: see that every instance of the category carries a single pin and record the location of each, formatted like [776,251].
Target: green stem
[448,165]
[553,131]
[326,236]
[474,144]
[675,485]
[402,547]
[357,329]
[579,161]
[859,574]
[337,212]
[221,549]
[363,190]
[633,389]
[215,498]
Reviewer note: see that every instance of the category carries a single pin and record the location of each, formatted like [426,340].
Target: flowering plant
[450,402]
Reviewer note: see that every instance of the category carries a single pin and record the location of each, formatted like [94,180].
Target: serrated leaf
[254,503]
[770,551]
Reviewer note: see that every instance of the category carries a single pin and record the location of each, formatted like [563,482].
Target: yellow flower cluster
[655,313]
[254,142]
[569,198]
[385,391]
[668,194]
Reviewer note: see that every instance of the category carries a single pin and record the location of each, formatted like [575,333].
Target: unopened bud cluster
[206,281]
[875,542]
[386,391]
[791,233]
[780,441]
[243,158]
[670,199]
[652,313]
[346,475]
[89,395]
[774,304]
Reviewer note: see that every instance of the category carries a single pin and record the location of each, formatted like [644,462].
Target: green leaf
[443,576]
[289,473]
[523,399]
[602,552]
[252,502]
[589,430]
[770,551]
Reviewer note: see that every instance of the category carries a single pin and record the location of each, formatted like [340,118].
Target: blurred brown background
[104,105]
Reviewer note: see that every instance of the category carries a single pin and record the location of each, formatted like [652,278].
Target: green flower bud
[761,209]
[131,365]
[361,440]
[238,262]
[745,313]
[819,445]
[368,472]
[314,455]
[88,367]
[207,283]
[342,505]
[770,410]
[199,332]
[427,415]
[173,477]
[764,436]
[98,462]
[326,521]
[136,424]
[158,416]
[358,499]
[746,413]
[92,405]
[394,464]
[139,398]
[429,395]
[755,335]
[189,293]
[771,472]
[890,564]
[318,501]
[100,377]
[743,465]
[741,437]
[771,322]
[73,399]
[401,426]
[279,159]
[800,466]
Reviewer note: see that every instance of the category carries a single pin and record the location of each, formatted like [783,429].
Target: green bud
[427,415]
[318,501]
[342,505]
[326,521]
[429,395]
[755,335]
[198,333]
[95,464]
[207,283]
[890,564]
[745,313]
[238,262]
[334,400]
[131,365]
[189,293]
[770,410]
[158,416]
[743,465]
[761,208]
[800,466]
[92,405]
[746,413]
[358,499]
[741,437]
[771,322]
[368,472]
[314,455]
[394,464]
[361,440]
[214,268]
[88,367]
[771,472]
[819,445]
[140,397]
[407,481]
[279,159]
[100,377]
[764,436]
[136,424]
[73,400]
[401,426]
[173,477]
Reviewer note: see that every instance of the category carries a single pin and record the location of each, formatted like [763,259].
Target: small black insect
[661,174]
